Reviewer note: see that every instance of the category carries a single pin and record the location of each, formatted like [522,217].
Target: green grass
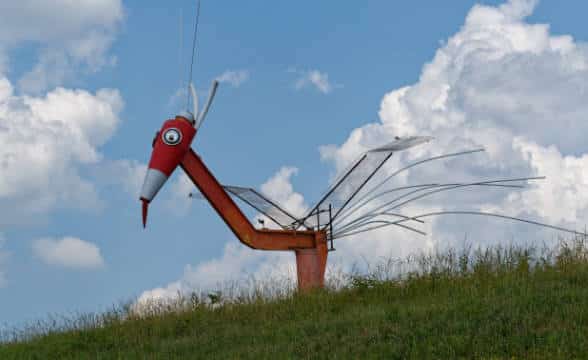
[499,303]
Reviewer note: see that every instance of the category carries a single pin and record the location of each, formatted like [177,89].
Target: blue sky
[360,52]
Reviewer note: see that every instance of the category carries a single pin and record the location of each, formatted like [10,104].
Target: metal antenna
[181,49]
[479,213]
[193,52]
[440,188]
[385,209]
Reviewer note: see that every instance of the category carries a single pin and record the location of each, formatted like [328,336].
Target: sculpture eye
[172,136]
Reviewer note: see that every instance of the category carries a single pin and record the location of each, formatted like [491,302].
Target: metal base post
[311,265]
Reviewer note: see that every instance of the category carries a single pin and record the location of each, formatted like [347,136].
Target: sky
[305,87]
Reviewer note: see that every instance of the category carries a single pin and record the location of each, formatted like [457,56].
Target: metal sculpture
[172,148]
[350,207]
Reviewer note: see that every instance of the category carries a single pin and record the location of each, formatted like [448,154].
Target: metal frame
[441,188]
[362,185]
[255,207]
[480,213]
[337,227]
[333,188]
[389,177]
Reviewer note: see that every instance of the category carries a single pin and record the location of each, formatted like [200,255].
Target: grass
[496,303]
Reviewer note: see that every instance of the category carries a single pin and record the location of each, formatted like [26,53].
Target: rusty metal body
[309,246]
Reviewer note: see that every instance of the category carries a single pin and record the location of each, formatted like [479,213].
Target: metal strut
[331,247]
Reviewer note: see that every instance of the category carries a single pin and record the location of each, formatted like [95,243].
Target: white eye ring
[172,136]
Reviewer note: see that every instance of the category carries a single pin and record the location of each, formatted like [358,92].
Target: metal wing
[260,203]
[350,182]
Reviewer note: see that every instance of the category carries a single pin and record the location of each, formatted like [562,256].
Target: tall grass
[499,301]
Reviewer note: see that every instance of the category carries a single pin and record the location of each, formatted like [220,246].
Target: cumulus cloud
[69,34]
[69,252]
[233,77]
[279,189]
[47,137]
[238,265]
[511,87]
[314,78]
[44,142]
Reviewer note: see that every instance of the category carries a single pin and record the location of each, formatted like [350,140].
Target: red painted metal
[311,264]
[310,247]
[166,158]
[262,239]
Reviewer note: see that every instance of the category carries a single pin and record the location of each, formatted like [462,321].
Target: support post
[311,264]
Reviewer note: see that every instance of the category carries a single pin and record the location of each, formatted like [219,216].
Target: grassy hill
[496,303]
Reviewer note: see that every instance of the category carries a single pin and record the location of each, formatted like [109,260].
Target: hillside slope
[502,305]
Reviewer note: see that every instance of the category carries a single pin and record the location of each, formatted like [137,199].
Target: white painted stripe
[154,180]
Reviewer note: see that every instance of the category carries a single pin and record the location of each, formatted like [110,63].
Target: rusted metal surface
[263,239]
[311,264]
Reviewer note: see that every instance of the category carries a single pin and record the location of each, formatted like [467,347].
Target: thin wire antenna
[441,187]
[437,213]
[384,224]
[193,53]
[181,52]
[359,206]
[361,220]
[480,213]
[461,186]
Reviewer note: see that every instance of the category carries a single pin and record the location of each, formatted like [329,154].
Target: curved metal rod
[460,186]
[429,187]
[443,187]
[499,216]
[358,205]
[480,213]
[370,217]
[344,233]
[425,187]
[338,182]
[385,223]
[413,165]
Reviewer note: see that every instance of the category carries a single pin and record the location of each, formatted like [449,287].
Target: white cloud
[319,80]
[44,141]
[279,189]
[71,35]
[48,137]
[68,252]
[234,77]
[238,265]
